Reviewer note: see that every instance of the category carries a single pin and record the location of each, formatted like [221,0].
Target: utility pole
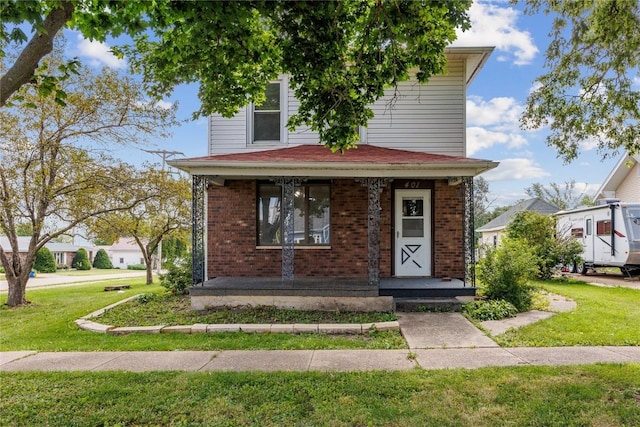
[165,154]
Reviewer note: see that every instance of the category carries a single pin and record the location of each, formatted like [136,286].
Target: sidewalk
[314,360]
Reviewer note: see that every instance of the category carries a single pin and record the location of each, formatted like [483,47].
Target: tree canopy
[340,55]
[564,197]
[56,171]
[164,210]
[588,94]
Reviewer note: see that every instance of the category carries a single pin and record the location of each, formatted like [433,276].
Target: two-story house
[281,220]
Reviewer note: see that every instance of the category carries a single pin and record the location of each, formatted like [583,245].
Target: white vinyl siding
[228,135]
[629,188]
[301,135]
[428,118]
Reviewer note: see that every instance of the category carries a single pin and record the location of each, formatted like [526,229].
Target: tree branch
[39,46]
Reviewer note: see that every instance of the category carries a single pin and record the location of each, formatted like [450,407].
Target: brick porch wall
[232,235]
[448,235]
[232,225]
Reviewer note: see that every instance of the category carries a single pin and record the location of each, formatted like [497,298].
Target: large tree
[164,212]
[55,167]
[340,54]
[565,196]
[589,93]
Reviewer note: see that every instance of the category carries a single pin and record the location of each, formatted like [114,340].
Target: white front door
[413,233]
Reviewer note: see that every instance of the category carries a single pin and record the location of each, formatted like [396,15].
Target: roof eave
[248,170]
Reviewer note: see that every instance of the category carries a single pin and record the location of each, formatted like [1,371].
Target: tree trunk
[17,289]
[149,275]
[147,260]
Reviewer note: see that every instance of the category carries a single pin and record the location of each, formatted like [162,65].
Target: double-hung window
[311,217]
[267,116]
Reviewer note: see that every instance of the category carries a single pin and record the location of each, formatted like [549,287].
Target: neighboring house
[280,220]
[123,252]
[63,253]
[623,183]
[493,231]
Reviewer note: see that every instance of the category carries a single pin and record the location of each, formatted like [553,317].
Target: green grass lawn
[604,316]
[48,325]
[597,395]
[93,272]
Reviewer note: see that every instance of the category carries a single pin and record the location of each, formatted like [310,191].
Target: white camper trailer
[609,233]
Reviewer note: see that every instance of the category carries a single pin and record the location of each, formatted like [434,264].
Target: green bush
[489,309]
[102,260]
[146,298]
[178,278]
[81,260]
[539,233]
[505,271]
[136,267]
[45,263]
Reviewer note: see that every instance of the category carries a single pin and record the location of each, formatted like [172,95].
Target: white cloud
[500,111]
[534,87]
[164,104]
[492,25]
[480,138]
[515,169]
[493,122]
[588,144]
[99,54]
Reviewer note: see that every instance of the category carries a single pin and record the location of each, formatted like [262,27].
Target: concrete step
[428,304]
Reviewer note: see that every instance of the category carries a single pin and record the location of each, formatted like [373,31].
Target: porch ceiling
[317,161]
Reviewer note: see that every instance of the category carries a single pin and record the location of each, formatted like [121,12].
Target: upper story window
[267,117]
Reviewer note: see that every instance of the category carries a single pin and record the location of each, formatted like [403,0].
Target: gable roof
[23,245]
[534,205]
[124,244]
[318,161]
[617,175]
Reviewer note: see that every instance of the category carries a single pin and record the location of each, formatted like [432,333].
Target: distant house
[63,253]
[493,230]
[623,182]
[124,252]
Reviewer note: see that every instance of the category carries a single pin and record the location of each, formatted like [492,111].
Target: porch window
[311,217]
[267,116]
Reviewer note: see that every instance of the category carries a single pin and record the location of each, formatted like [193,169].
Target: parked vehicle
[609,233]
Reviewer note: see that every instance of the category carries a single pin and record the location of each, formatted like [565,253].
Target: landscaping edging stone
[86,324]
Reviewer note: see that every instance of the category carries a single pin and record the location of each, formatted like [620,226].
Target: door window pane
[412,227]
[412,207]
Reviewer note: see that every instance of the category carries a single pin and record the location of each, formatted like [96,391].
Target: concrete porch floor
[336,286]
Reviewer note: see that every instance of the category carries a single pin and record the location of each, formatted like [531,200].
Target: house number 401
[412,184]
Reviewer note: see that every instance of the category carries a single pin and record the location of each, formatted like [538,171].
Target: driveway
[607,279]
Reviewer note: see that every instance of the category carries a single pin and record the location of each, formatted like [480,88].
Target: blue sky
[495,101]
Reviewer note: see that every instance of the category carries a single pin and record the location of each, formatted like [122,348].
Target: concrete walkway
[313,360]
[435,341]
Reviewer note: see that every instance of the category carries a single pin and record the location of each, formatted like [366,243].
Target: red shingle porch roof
[319,161]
